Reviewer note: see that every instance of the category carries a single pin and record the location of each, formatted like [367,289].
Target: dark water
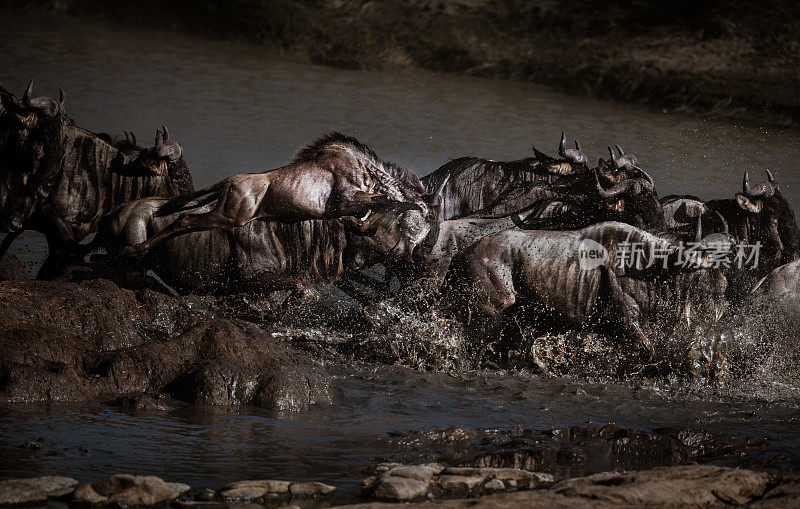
[334,443]
[238,109]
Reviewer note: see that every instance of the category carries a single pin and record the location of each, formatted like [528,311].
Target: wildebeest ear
[748,204]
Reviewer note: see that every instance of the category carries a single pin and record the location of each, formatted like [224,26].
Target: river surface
[237,109]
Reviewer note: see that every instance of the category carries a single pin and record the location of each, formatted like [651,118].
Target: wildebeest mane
[403,175]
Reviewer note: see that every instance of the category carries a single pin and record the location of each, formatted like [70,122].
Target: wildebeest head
[164,158]
[631,197]
[573,160]
[391,234]
[31,142]
[770,220]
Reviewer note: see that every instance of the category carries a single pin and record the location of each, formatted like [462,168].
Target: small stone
[250,490]
[400,488]
[424,472]
[34,490]
[493,486]
[310,489]
[459,483]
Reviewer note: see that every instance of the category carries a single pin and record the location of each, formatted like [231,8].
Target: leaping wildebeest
[335,176]
[572,279]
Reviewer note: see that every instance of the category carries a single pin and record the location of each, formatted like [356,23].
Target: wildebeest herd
[493,236]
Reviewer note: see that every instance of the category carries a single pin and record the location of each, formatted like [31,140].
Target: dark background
[735,59]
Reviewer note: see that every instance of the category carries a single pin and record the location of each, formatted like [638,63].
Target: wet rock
[494,485]
[676,486]
[310,489]
[520,478]
[423,472]
[67,341]
[129,490]
[34,490]
[249,490]
[686,486]
[399,489]
[459,484]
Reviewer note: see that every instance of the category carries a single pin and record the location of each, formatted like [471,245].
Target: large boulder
[68,341]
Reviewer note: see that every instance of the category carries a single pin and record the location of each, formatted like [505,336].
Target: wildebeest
[31,140]
[92,178]
[475,185]
[448,238]
[757,215]
[260,256]
[335,176]
[573,279]
[617,190]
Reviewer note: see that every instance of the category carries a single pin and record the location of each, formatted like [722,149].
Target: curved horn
[577,146]
[26,97]
[619,150]
[646,176]
[166,132]
[159,138]
[133,138]
[62,98]
[614,191]
[614,162]
[770,178]
[432,198]
[562,145]
[746,183]
[127,136]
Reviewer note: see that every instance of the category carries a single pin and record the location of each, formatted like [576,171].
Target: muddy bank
[729,60]
[84,338]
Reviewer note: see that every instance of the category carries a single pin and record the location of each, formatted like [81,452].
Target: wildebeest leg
[627,311]
[61,246]
[7,241]
[185,223]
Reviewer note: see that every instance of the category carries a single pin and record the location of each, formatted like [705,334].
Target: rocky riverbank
[434,486]
[733,60]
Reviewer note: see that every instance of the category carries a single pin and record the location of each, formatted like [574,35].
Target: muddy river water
[238,108]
